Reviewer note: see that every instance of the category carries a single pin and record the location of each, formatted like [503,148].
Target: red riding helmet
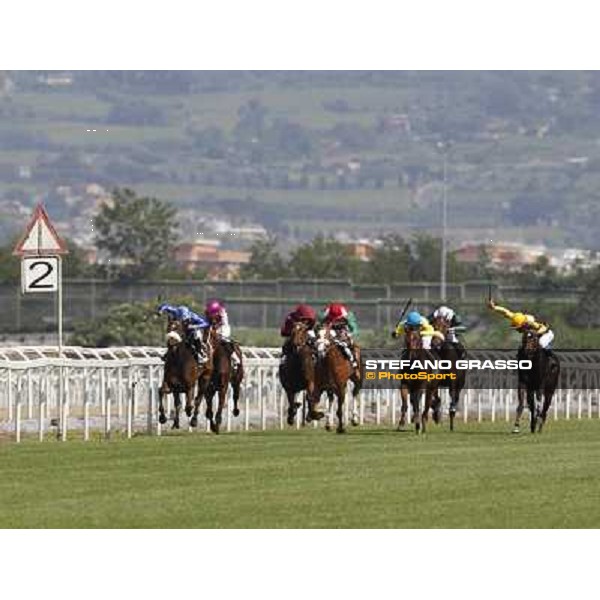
[336,311]
[304,311]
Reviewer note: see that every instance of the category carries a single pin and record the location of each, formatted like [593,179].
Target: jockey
[218,318]
[523,322]
[414,320]
[193,324]
[455,325]
[303,313]
[344,327]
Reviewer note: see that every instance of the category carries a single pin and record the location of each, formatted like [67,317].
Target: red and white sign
[40,237]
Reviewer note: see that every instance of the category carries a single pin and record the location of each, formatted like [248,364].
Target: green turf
[480,476]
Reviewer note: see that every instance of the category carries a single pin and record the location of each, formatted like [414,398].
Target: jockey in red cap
[303,313]
[344,327]
[216,315]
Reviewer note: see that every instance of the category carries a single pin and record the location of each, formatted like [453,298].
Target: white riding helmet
[444,312]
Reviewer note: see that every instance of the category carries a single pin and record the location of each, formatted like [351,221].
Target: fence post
[150,415]
[18,421]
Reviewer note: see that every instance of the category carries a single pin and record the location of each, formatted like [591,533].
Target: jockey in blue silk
[193,324]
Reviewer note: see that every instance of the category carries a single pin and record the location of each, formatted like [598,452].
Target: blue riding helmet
[163,307]
[413,319]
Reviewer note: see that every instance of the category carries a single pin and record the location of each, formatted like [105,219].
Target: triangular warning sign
[40,237]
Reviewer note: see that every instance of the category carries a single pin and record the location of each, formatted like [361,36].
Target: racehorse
[333,371]
[542,379]
[222,375]
[297,370]
[414,388]
[446,350]
[182,373]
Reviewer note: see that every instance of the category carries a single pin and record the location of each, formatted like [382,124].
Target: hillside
[303,152]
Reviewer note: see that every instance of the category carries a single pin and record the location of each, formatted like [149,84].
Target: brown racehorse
[297,370]
[222,375]
[541,380]
[414,388]
[182,373]
[333,371]
[446,350]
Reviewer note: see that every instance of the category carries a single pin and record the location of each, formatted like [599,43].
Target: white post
[507,400]
[579,399]
[568,407]
[120,391]
[479,406]
[10,395]
[377,408]
[492,394]
[86,420]
[106,402]
[60,308]
[150,415]
[29,395]
[588,393]
[64,373]
[261,399]
[42,407]
[281,401]
[466,405]
[247,409]
[394,396]
[130,402]
[556,403]
[18,421]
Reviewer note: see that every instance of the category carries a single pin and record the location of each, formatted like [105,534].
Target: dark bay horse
[182,374]
[446,350]
[223,374]
[414,388]
[333,372]
[541,380]
[297,370]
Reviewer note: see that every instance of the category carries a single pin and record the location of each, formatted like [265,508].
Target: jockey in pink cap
[216,315]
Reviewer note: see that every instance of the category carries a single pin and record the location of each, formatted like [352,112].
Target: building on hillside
[218,262]
[510,256]
[362,249]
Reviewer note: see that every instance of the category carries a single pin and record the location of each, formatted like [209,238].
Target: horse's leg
[454,398]
[520,406]
[236,386]
[202,385]
[355,419]
[404,407]
[210,392]
[429,395]
[292,406]
[222,401]
[531,404]
[177,397]
[415,401]
[330,407]
[341,396]
[162,392]
[548,393]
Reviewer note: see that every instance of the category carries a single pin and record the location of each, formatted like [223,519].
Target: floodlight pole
[444,147]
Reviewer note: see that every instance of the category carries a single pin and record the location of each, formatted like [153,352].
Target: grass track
[480,476]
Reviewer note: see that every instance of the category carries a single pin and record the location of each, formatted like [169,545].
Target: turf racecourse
[480,476]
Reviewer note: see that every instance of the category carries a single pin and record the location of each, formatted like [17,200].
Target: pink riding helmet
[213,308]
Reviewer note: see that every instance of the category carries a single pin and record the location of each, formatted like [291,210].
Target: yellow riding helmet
[518,320]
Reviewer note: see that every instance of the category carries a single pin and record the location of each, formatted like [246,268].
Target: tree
[265,261]
[587,313]
[390,262]
[324,258]
[136,233]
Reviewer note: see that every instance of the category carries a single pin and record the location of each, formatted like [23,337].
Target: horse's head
[441,324]
[299,335]
[413,339]
[323,341]
[175,333]
[531,341]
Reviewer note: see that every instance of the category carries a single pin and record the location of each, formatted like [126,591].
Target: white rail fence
[91,393]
